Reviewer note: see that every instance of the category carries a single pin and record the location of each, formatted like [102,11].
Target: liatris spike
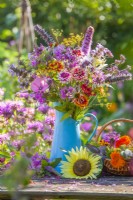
[44,35]
[87,42]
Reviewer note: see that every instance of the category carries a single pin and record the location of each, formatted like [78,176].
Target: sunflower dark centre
[82,167]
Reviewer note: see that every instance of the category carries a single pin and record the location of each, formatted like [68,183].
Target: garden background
[113,24]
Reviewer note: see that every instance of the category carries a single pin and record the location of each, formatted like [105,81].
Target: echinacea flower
[81,164]
[124,140]
[78,73]
[117,160]
[81,101]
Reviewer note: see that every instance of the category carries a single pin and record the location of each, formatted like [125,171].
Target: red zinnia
[77,52]
[87,90]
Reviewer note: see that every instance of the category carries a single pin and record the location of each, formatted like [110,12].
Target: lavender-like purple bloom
[110,137]
[7,108]
[48,138]
[36,161]
[34,56]
[17,144]
[23,94]
[87,42]
[86,126]
[98,77]
[44,35]
[50,120]
[59,52]
[43,108]
[4,137]
[36,126]
[67,92]
[120,76]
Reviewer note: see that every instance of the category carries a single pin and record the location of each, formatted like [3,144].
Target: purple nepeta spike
[44,35]
[86,45]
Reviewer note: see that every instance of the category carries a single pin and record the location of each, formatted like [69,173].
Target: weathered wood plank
[111,188]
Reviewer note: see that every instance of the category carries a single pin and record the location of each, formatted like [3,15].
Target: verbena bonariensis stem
[87,42]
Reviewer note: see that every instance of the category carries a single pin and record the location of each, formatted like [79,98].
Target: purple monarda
[86,45]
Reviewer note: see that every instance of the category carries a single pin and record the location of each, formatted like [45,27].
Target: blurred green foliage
[112,20]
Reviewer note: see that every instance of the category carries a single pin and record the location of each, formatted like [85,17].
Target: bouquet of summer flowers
[70,72]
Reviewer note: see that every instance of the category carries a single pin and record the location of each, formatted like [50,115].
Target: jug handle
[96,125]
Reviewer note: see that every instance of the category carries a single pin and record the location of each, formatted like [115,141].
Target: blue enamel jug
[67,136]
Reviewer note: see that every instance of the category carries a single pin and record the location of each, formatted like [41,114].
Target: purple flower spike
[86,45]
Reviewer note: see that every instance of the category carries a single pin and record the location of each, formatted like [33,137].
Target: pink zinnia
[39,84]
[64,76]
[78,73]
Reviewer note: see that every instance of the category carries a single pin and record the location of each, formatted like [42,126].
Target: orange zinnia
[117,160]
[123,140]
[81,101]
[55,66]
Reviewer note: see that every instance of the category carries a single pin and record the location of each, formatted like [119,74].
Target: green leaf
[110,86]
[44,163]
[60,108]
[4,155]
[55,162]
[66,115]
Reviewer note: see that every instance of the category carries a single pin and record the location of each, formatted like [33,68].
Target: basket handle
[110,122]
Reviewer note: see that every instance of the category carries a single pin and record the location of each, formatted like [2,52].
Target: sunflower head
[81,163]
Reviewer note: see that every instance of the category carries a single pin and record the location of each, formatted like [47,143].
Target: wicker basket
[122,171]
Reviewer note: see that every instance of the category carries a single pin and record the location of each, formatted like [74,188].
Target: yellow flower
[112,107]
[103,143]
[81,164]
[73,40]
[55,66]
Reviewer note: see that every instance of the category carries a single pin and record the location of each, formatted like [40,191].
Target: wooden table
[109,188]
